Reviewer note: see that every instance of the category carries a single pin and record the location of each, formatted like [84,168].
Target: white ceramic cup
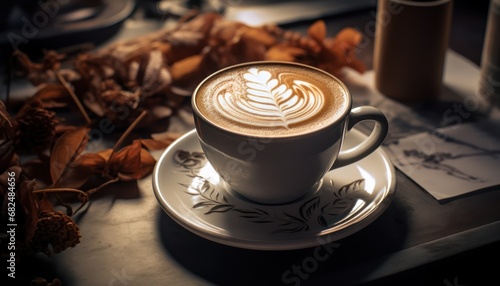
[265,164]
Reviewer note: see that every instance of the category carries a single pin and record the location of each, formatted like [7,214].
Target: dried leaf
[149,72]
[188,68]
[4,116]
[52,95]
[317,31]
[357,65]
[258,36]
[66,150]
[223,32]
[160,140]
[97,164]
[350,36]
[95,161]
[285,53]
[132,162]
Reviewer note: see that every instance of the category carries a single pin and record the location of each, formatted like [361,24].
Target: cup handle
[371,143]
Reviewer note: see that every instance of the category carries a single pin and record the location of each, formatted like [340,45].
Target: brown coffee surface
[271,99]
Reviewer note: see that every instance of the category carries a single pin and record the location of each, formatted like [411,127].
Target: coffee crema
[271,99]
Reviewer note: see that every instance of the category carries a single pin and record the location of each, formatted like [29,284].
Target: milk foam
[271,99]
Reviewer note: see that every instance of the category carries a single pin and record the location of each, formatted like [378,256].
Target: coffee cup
[272,130]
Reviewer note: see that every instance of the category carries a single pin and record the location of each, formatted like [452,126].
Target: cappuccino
[271,99]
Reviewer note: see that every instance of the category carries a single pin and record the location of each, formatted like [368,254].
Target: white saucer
[350,198]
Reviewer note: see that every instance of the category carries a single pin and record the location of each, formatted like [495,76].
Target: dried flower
[35,127]
[130,163]
[55,231]
[39,73]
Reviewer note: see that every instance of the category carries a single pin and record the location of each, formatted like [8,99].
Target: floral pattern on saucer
[314,210]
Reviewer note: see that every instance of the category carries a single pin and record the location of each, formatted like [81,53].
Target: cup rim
[340,117]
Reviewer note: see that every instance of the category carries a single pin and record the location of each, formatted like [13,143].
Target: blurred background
[34,25]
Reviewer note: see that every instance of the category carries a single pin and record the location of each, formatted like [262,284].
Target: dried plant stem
[107,183]
[123,137]
[127,132]
[82,196]
[86,195]
[73,96]
[59,190]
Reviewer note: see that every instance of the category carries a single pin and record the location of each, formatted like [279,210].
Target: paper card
[451,161]
[417,142]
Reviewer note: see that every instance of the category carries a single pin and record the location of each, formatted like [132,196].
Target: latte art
[268,101]
[272,98]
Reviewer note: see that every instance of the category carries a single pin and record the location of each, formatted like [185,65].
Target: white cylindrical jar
[489,83]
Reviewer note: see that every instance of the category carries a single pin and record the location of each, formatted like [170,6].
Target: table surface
[128,240]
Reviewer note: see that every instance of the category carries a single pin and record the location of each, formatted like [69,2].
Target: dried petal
[350,36]
[285,53]
[4,116]
[95,161]
[132,162]
[317,31]
[52,95]
[150,73]
[258,36]
[189,70]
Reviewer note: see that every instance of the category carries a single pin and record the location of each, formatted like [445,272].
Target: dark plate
[81,22]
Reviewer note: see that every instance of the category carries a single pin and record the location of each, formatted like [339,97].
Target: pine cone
[35,127]
[57,230]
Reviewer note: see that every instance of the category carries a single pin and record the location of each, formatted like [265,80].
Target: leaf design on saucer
[209,198]
[349,189]
[190,163]
[256,215]
[292,224]
[344,201]
[268,100]
[307,209]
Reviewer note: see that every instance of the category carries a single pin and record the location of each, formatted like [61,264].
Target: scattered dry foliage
[125,85]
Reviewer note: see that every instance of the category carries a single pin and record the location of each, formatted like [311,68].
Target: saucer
[349,198]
